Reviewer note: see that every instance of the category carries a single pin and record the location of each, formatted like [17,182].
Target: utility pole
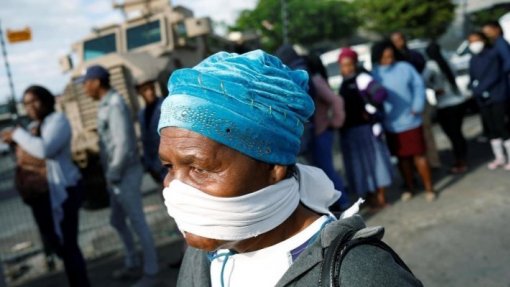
[14,109]
[285,22]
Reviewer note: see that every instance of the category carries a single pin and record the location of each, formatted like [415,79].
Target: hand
[7,136]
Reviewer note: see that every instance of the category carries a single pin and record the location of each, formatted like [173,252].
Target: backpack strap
[340,246]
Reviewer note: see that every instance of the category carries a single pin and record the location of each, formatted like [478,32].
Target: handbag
[30,179]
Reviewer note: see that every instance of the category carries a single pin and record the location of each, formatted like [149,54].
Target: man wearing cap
[149,118]
[230,132]
[123,172]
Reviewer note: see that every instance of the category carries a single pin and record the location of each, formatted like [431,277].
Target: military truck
[158,39]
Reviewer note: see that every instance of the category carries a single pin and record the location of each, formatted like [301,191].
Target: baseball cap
[94,72]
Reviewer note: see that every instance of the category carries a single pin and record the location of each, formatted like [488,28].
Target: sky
[57,24]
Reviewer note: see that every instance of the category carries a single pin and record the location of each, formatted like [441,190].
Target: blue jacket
[487,80]
[503,49]
[150,140]
[117,138]
[406,96]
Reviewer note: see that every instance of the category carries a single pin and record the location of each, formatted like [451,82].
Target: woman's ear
[278,173]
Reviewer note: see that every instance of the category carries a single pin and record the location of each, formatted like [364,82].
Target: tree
[479,18]
[309,22]
[416,18]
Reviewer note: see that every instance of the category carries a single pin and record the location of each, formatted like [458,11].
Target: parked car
[4,148]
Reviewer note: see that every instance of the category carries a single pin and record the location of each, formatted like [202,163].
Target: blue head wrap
[251,103]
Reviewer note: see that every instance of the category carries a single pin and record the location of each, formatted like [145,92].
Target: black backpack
[339,248]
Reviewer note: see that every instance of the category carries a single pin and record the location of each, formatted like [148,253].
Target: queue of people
[228,164]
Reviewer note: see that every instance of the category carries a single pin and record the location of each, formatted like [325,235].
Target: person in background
[451,106]
[234,150]
[149,118]
[403,116]
[418,62]
[55,212]
[123,172]
[494,32]
[366,157]
[490,87]
[403,53]
[329,115]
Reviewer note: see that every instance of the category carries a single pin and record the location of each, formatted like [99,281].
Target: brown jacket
[329,107]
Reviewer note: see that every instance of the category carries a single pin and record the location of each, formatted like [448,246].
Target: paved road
[462,239]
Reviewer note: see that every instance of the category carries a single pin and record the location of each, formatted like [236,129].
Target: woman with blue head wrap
[230,133]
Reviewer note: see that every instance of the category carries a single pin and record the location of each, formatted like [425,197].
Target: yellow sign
[15,36]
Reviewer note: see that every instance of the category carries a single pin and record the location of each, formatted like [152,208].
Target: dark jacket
[412,57]
[487,80]
[503,48]
[363,266]
[355,99]
[150,138]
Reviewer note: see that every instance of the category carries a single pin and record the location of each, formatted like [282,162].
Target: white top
[54,145]
[435,80]
[266,266]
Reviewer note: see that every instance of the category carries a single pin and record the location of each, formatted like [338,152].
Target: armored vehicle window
[142,35]
[98,47]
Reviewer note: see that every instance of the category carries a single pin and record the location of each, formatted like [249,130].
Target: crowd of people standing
[388,112]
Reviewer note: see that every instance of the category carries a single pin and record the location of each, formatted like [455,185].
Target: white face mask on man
[476,47]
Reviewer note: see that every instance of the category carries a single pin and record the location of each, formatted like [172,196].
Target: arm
[325,94]
[418,60]
[143,135]
[120,131]
[367,265]
[471,74]
[503,49]
[55,134]
[491,77]
[376,92]
[418,90]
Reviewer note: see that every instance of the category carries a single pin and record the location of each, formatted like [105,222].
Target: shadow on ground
[479,154]
[100,270]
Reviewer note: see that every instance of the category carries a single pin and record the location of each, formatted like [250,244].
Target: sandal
[406,196]
[430,196]
[495,164]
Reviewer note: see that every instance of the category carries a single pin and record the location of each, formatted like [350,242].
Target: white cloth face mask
[476,47]
[231,218]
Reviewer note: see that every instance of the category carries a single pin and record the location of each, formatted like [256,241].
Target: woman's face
[214,169]
[388,57]
[33,106]
[347,67]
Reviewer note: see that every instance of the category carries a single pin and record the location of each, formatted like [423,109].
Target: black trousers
[450,119]
[495,117]
[68,249]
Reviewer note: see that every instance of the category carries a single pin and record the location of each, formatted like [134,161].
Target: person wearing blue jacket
[148,118]
[403,115]
[123,171]
[489,84]
[494,32]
